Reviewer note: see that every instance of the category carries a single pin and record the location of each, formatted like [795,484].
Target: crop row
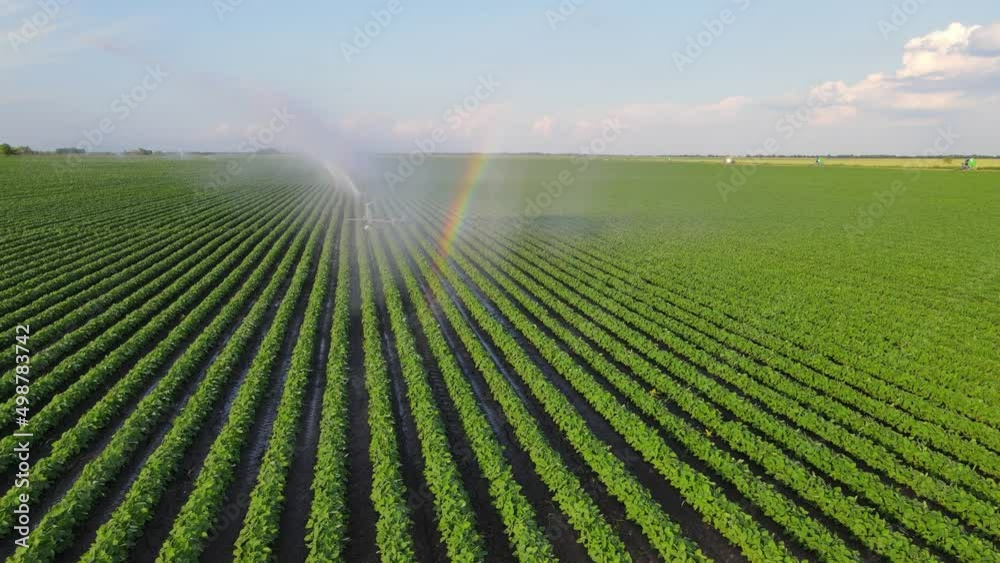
[730,519]
[16,299]
[594,532]
[118,534]
[921,400]
[147,415]
[871,529]
[517,514]
[918,320]
[772,503]
[731,296]
[664,534]
[327,525]
[63,251]
[18,302]
[974,453]
[930,524]
[125,317]
[850,365]
[911,451]
[455,516]
[873,454]
[85,307]
[261,524]
[394,525]
[186,293]
[186,539]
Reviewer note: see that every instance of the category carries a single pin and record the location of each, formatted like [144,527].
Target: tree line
[7,150]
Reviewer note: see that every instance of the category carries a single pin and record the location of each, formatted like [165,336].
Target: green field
[832,251]
[514,358]
[953,163]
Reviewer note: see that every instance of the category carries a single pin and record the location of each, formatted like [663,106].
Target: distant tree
[24,149]
[268,151]
[6,149]
[70,150]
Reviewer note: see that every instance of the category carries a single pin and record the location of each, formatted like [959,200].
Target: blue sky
[216,71]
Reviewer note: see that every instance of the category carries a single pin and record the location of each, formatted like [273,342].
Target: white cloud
[986,40]
[886,93]
[948,39]
[725,106]
[543,126]
[937,73]
[412,128]
[943,78]
[833,115]
[949,53]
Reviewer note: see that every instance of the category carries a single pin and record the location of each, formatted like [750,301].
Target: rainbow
[459,207]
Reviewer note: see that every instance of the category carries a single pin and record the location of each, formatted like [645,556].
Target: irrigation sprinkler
[370,219]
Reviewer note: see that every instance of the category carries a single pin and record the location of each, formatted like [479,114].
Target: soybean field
[498,359]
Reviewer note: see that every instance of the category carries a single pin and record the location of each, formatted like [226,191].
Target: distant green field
[948,163]
[826,252]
